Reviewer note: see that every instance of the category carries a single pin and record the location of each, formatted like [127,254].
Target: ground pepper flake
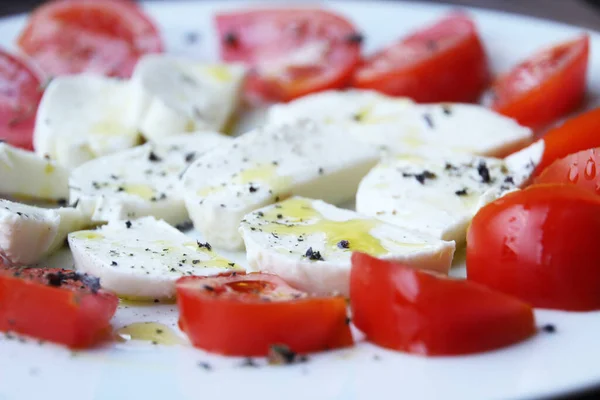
[313,255]
[280,354]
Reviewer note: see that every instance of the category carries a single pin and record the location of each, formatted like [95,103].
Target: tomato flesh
[244,315]
[417,312]
[73,36]
[545,87]
[292,52]
[581,169]
[19,99]
[443,62]
[50,304]
[575,134]
[539,244]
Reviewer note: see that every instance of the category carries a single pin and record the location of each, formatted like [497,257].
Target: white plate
[549,364]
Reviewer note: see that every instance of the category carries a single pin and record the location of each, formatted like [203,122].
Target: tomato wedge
[541,245]
[544,87]
[293,52]
[19,99]
[443,62]
[244,315]
[581,169]
[417,312]
[56,305]
[577,133]
[105,37]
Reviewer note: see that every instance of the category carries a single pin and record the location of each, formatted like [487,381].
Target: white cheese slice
[268,164]
[183,95]
[141,181]
[82,117]
[437,195]
[142,259]
[523,162]
[401,126]
[24,175]
[309,244]
[28,234]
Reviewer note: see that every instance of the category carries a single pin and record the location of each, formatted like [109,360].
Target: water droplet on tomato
[573,174]
[590,169]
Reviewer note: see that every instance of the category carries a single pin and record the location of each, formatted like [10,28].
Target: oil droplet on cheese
[300,218]
[413,158]
[144,191]
[49,168]
[261,174]
[109,128]
[149,331]
[413,141]
[88,235]
[208,258]
[219,72]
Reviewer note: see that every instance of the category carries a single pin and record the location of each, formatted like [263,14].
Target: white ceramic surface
[548,364]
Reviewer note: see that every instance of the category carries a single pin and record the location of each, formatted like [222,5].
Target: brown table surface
[583,13]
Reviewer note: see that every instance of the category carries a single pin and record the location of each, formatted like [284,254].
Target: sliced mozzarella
[399,125]
[267,164]
[82,117]
[24,175]
[141,181]
[437,195]
[309,244]
[28,234]
[525,161]
[182,95]
[142,259]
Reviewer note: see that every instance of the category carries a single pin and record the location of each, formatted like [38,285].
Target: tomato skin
[73,36]
[539,244]
[233,322]
[266,37]
[19,100]
[454,68]
[581,169]
[546,86]
[68,315]
[575,134]
[417,312]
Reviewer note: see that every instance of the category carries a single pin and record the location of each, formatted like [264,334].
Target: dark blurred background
[584,13]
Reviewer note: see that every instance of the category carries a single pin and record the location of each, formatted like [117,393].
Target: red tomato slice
[105,37]
[244,315]
[20,95]
[581,169]
[544,87]
[443,62]
[417,312]
[576,134]
[56,305]
[541,245]
[293,52]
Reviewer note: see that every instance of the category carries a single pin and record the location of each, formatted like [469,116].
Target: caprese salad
[114,147]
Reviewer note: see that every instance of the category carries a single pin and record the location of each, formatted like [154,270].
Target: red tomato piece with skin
[414,311]
[19,99]
[244,315]
[60,306]
[443,62]
[292,52]
[545,87]
[578,133]
[104,37]
[541,245]
[581,169]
